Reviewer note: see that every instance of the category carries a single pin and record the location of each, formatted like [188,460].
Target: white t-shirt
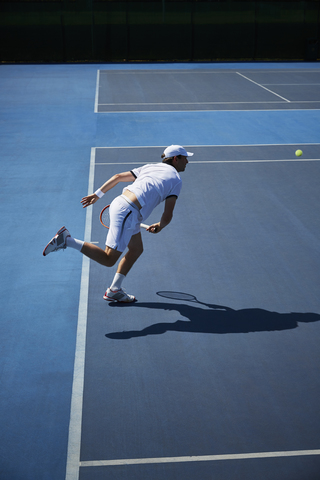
[153,184]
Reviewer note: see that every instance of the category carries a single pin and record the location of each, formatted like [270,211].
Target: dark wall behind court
[163,30]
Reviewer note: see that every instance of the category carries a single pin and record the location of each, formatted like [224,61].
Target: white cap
[175,150]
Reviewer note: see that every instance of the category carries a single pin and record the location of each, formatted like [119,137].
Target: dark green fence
[163,30]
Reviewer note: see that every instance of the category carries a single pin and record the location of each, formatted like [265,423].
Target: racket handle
[143,225]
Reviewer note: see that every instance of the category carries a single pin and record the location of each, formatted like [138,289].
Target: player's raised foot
[118,296]
[58,242]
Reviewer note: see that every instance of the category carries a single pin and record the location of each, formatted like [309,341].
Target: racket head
[105,216]
[178,296]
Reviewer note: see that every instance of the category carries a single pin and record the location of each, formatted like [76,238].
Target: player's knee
[110,262]
[139,250]
[111,257]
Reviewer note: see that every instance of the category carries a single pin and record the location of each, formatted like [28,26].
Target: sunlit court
[212,372]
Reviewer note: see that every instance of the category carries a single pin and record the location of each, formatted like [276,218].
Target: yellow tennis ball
[298,153]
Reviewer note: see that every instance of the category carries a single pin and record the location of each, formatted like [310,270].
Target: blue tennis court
[212,373]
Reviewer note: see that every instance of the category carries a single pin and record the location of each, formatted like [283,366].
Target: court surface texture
[213,372]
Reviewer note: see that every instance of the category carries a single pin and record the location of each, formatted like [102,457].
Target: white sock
[117,281]
[74,243]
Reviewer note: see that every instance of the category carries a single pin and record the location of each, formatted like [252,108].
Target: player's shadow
[214,319]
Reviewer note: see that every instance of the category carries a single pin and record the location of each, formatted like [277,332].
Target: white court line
[158,112]
[190,103]
[96,99]
[259,161]
[292,84]
[204,458]
[259,85]
[164,72]
[219,161]
[203,70]
[214,145]
[74,440]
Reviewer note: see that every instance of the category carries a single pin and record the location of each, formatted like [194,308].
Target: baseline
[201,458]
[286,106]
[220,161]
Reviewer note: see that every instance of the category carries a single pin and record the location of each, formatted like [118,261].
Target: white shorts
[125,221]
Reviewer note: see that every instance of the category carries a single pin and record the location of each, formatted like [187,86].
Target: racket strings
[105,217]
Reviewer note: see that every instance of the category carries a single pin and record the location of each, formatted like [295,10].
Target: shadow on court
[213,319]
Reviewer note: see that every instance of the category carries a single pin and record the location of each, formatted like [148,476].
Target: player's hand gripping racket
[105,218]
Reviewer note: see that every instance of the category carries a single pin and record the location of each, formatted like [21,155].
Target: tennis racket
[105,218]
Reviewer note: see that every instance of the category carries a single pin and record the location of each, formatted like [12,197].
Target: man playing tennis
[152,184]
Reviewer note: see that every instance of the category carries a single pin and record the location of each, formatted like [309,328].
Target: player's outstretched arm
[166,216]
[108,185]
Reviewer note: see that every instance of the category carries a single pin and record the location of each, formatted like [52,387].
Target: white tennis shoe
[118,296]
[58,242]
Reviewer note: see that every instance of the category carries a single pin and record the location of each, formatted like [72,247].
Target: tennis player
[150,185]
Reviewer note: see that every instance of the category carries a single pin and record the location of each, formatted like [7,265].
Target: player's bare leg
[107,257]
[135,249]
[115,291]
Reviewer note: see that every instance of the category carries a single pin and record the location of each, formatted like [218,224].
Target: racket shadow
[213,319]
